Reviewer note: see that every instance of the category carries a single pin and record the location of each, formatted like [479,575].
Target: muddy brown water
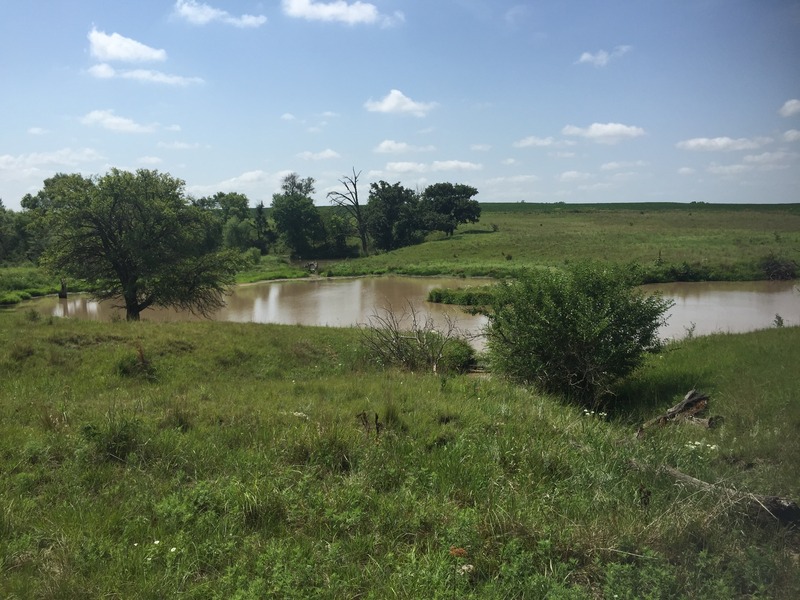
[701,308]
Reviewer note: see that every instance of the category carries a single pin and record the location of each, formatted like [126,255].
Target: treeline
[392,217]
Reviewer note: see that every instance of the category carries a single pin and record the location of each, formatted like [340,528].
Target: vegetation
[133,237]
[123,473]
[574,332]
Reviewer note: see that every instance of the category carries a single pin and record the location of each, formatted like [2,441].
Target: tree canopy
[448,205]
[393,218]
[296,218]
[134,237]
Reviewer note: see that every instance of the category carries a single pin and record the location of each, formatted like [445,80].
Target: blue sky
[537,101]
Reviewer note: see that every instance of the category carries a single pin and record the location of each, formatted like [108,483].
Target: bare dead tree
[348,200]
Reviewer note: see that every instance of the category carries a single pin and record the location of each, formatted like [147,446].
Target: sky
[574,101]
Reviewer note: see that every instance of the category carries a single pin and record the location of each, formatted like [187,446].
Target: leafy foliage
[572,332]
[448,205]
[393,216]
[296,218]
[134,237]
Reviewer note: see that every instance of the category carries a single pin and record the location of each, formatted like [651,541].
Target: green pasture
[222,460]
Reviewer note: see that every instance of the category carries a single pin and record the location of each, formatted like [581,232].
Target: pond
[700,308]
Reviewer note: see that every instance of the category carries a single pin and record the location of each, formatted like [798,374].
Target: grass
[222,460]
[672,242]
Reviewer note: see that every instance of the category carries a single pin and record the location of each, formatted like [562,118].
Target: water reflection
[701,307]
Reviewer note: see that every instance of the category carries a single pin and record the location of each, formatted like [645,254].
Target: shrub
[412,341]
[778,267]
[573,332]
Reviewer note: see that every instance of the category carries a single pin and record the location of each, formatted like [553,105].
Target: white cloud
[509,161]
[393,147]
[406,167]
[724,144]
[480,147]
[106,71]
[108,120]
[340,11]
[686,171]
[178,145]
[198,13]
[768,158]
[455,165]
[37,131]
[26,164]
[605,133]
[288,117]
[790,108]
[513,179]
[532,140]
[793,135]
[568,176]
[728,170]
[149,160]
[435,166]
[562,154]
[117,47]
[614,166]
[602,57]
[397,102]
[324,155]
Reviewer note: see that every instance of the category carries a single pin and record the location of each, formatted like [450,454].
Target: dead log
[693,403]
[761,508]
[783,510]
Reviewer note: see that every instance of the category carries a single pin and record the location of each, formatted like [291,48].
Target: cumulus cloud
[605,133]
[790,108]
[532,140]
[66,157]
[393,147]
[723,144]
[324,155]
[569,176]
[686,171]
[108,120]
[480,147]
[198,13]
[37,131]
[178,145]
[728,170]
[616,165]
[602,57]
[116,47]
[149,160]
[106,71]
[397,102]
[351,13]
[793,135]
[435,166]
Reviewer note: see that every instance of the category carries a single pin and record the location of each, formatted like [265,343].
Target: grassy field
[672,242]
[221,460]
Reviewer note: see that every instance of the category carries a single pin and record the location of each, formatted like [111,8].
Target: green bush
[572,332]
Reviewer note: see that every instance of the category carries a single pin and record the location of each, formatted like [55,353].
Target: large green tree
[393,218]
[297,220]
[448,205]
[134,237]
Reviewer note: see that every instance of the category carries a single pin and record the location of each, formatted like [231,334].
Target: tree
[572,332]
[348,200]
[296,218]
[134,236]
[448,205]
[393,216]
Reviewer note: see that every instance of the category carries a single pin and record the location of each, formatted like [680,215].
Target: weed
[137,366]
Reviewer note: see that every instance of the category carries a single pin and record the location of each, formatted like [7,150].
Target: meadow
[223,460]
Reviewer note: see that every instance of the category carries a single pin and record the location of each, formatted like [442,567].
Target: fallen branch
[776,508]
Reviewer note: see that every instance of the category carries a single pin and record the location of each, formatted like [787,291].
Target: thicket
[574,332]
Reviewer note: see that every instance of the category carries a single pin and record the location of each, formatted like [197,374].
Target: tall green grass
[221,460]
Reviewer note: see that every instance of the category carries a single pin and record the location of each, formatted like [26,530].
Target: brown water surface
[701,308]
